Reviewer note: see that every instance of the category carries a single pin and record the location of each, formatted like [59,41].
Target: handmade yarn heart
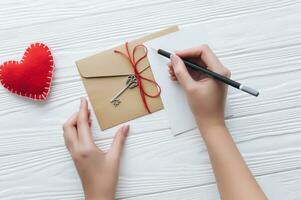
[32,76]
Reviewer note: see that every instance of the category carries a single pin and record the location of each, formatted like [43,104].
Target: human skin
[206,98]
[98,170]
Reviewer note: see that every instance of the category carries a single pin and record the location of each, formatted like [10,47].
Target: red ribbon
[134,63]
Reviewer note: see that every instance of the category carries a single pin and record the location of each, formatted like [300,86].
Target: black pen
[212,74]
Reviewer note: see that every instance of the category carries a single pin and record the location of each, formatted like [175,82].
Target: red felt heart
[32,76]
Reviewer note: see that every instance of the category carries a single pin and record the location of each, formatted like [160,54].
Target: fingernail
[125,129]
[82,101]
[174,59]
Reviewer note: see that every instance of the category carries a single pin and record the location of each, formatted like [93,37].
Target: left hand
[97,169]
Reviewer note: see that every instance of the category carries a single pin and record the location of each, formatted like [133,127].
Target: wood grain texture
[260,41]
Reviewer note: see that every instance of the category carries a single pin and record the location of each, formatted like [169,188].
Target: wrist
[213,129]
[210,126]
[213,134]
[99,197]
[206,124]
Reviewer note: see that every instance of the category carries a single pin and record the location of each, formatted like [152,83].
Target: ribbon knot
[131,57]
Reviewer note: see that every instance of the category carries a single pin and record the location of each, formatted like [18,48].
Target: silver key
[131,82]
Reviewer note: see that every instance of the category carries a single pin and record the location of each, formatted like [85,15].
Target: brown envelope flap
[108,63]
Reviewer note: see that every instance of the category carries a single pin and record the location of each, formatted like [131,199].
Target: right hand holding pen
[205,95]
[207,101]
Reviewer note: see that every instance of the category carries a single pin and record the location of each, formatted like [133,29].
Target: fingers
[118,142]
[207,56]
[171,72]
[180,71]
[90,122]
[83,127]
[190,53]
[70,132]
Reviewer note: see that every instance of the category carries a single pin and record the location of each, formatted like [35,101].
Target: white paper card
[173,97]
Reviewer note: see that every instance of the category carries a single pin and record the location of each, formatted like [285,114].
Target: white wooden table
[260,41]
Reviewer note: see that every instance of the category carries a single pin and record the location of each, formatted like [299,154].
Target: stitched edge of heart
[45,94]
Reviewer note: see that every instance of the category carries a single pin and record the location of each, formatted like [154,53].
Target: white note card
[173,97]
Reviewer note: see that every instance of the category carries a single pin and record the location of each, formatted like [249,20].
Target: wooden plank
[258,40]
[38,12]
[270,66]
[149,165]
[276,186]
[46,132]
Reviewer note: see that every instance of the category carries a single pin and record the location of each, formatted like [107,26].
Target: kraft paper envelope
[105,74]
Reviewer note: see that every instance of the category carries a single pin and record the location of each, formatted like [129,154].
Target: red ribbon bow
[134,63]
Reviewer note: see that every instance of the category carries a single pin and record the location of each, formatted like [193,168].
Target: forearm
[234,179]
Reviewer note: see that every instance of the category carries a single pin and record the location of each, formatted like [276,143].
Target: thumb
[180,71]
[118,142]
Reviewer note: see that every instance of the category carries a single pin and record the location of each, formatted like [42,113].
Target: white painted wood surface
[260,41]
